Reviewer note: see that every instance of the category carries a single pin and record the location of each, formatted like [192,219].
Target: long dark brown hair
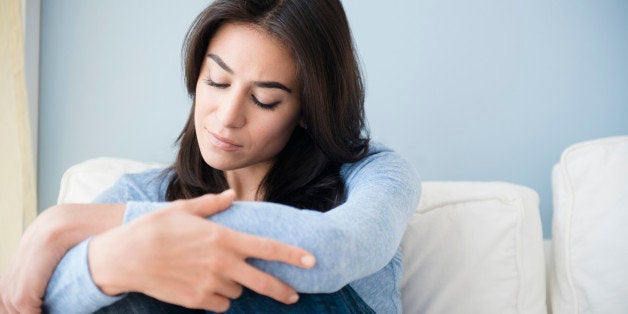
[306,173]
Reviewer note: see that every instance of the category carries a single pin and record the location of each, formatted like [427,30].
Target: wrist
[60,227]
[50,229]
[103,264]
[69,224]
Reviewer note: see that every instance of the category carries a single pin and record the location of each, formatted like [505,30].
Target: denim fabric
[345,301]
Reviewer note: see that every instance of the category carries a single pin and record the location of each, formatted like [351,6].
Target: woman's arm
[175,255]
[43,244]
[351,241]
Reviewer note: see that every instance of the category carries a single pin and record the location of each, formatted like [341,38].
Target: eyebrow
[221,63]
[225,67]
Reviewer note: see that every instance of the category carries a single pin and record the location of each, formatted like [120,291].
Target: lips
[222,143]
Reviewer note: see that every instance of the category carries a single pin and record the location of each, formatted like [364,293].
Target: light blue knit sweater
[356,243]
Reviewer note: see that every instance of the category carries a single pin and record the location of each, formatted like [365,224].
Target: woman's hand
[45,241]
[177,256]
[24,279]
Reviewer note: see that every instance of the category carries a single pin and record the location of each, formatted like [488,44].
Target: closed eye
[215,84]
[262,105]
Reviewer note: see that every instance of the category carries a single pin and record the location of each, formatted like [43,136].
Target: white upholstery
[470,247]
[590,228]
[474,247]
[82,182]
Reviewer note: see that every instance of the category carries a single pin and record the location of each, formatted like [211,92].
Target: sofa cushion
[590,228]
[82,182]
[474,247]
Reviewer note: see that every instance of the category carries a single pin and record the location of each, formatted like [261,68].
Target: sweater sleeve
[349,242]
[71,288]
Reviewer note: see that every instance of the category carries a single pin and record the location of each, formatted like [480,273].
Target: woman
[278,119]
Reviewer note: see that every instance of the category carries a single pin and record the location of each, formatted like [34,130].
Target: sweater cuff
[77,292]
[138,209]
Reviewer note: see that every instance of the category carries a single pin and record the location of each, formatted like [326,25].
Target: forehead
[253,53]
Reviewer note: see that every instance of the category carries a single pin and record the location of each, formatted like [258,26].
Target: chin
[216,160]
[222,165]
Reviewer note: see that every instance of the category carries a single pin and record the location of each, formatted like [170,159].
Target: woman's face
[247,103]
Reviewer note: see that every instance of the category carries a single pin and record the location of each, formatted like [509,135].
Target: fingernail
[293,298]
[228,192]
[308,260]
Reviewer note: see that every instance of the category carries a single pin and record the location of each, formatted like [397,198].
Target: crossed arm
[349,242]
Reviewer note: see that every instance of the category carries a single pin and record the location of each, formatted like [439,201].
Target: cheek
[276,133]
[198,124]
[202,107]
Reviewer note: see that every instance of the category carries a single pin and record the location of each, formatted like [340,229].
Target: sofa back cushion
[82,182]
[590,228]
[474,247]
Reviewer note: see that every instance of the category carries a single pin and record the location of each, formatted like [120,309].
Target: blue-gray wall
[466,90]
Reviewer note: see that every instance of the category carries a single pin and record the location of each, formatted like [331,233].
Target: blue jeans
[344,301]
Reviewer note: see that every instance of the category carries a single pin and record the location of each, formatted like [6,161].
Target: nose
[232,111]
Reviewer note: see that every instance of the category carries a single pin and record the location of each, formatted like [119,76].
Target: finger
[217,303]
[262,283]
[23,307]
[3,308]
[211,302]
[9,308]
[272,250]
[229,288]
[209,204]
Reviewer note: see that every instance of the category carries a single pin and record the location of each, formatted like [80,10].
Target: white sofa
[477,247]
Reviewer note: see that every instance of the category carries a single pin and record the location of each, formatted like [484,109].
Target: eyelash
[260,104]
[214,84]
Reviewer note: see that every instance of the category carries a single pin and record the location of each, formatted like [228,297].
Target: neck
[246,181]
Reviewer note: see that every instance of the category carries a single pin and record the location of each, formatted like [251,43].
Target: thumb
[210,204]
